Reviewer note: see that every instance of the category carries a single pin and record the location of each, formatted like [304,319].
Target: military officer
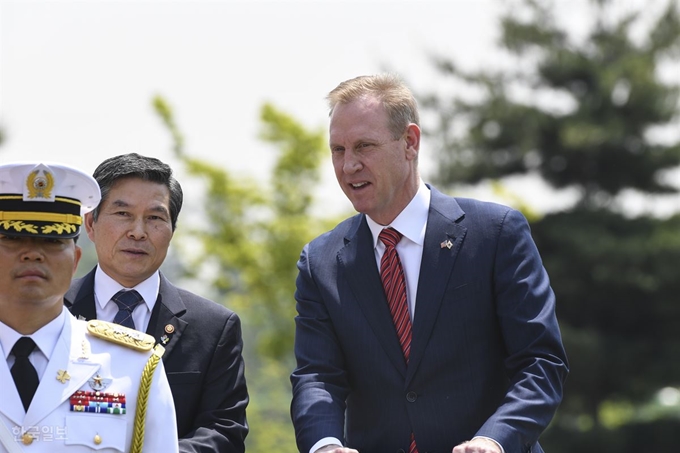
[67,384]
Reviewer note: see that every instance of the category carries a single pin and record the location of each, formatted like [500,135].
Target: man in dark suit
[131,230]
[446,341]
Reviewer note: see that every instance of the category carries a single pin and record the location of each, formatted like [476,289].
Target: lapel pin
[81,318]
[169,330]
[63,376]
[447,243]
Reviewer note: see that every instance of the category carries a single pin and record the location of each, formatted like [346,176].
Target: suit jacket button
[411,397]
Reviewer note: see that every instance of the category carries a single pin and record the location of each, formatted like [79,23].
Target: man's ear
[78,253]
[412,138]
[89,225]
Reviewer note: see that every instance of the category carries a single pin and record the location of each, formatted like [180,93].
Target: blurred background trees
[596,117]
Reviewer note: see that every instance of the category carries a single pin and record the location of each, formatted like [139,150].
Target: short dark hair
[134,165]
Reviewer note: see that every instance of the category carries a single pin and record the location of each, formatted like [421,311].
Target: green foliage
[579,114]
[253,235]
[610,95]
[617,288]
[251,238]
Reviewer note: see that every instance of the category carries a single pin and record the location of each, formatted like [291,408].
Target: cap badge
[39,185]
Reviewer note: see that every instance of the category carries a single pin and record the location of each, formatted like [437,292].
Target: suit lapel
[357,262]
[435,270]
[80,297]
[51,392]
[165,325]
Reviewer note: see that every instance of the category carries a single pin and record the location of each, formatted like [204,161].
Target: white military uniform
[55,426]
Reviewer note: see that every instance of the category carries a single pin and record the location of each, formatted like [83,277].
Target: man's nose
[352,163]
[33,252]
[137,230]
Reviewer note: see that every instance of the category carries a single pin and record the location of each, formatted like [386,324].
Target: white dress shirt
[105,288]
[45,339]
[411,223]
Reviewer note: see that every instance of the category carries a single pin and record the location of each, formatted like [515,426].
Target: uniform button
[27,439]
[411,397]
[97,439]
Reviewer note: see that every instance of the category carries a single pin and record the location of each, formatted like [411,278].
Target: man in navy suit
[131,230]
[478,365]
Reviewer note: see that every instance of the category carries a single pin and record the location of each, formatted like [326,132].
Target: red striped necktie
[394,283]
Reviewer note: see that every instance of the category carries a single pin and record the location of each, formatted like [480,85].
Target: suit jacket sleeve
[319,381]
[536,363]
[221,421]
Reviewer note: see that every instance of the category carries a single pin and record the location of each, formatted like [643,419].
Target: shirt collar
[411,222]
[45,338]
[106,288]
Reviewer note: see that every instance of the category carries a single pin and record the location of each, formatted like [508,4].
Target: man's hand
[477,445]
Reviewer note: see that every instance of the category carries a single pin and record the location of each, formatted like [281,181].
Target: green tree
[615,275]
[250,238]
[609,85]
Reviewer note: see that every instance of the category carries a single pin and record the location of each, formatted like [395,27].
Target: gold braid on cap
[143,399]
[22,220]
[18,226]
[41,217]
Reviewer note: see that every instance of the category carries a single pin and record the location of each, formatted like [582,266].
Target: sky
[77,77]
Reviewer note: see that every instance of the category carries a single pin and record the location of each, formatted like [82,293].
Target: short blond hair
[396,98]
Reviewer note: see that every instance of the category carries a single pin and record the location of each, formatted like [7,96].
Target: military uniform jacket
[52,423]
[202,360]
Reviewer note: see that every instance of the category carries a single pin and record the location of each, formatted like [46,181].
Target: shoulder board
[122,335]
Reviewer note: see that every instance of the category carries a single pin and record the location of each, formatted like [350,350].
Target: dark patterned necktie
[126,301]
[394,283]
[23,372]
